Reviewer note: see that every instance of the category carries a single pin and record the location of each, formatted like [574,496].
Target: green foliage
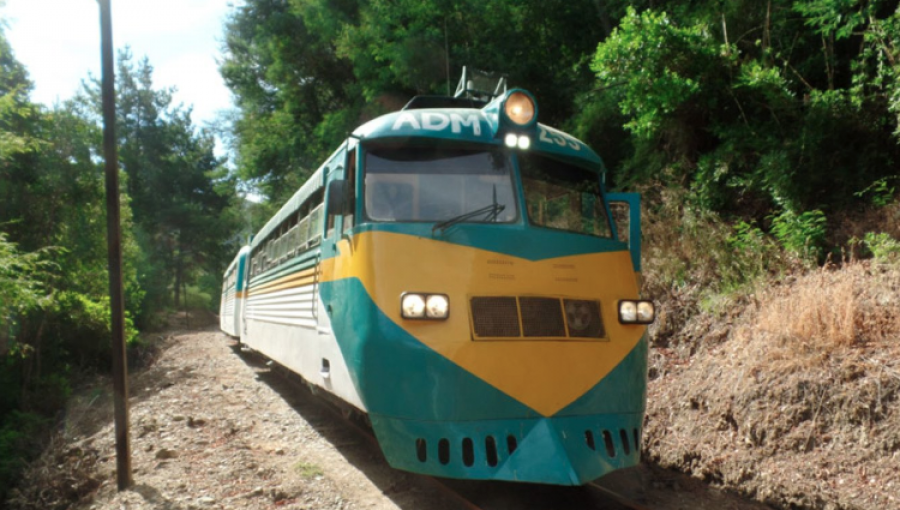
[657,84]
[20,287]
[885,249]
[688,246]
[757,108]
[180,215]
[801,234]
[17,446]
[881,191]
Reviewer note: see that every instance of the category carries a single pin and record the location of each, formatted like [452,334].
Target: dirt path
[215,428]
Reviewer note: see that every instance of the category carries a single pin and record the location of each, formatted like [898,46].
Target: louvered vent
[495,317]
[542,317]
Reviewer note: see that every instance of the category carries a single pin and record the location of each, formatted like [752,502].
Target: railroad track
[469,494]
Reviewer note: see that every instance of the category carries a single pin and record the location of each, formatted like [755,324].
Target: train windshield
[439,184]
[562,196]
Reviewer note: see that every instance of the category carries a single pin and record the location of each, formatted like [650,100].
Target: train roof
[242,251]
[473,125]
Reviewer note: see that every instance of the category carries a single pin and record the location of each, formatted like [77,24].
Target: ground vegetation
[54,306]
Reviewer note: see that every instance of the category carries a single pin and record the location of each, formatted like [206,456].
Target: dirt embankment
[796,402]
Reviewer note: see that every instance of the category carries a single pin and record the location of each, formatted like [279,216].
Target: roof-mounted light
[520,109]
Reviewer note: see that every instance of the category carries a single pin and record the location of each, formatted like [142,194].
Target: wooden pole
[114,251]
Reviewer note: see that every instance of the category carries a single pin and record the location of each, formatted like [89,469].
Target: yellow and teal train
[453,272]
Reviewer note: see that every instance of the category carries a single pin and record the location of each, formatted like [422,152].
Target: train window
[316,224]
[351,194]
[563,197]
[437,183]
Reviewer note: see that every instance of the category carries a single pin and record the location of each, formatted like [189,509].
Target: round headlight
[524,142]
[519,108]
[412,306]
[511,140]
[627,311]
[646,312]
[437,306]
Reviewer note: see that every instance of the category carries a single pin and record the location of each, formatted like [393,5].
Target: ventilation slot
[511,444]
[495,316]
[624,436]
[490,449]
[610,447]
[589,439]
[421,450]
[637,440]
[468,452]
[583,318]
[542,317]
[444,451]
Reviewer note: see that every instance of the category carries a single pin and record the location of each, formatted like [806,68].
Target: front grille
[583,318]
[542,317]
[495,317]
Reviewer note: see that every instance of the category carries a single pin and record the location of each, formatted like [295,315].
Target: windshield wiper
[489,211]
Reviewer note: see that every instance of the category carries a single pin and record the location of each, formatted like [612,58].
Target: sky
[58,41]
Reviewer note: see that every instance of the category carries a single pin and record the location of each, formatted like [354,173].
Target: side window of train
[350,175]
[329,232]
[620,215]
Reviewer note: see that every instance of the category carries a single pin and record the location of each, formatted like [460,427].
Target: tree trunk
[177,282]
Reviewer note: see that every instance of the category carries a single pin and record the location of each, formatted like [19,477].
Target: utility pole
[114,251]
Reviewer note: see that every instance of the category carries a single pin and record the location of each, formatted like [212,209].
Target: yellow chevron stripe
[544,375]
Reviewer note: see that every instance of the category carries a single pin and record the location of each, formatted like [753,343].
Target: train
[457,273]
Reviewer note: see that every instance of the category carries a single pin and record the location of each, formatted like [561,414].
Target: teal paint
[241,269]
[634,223]
[548,450]
[623,390]
[413,392]
[474,126]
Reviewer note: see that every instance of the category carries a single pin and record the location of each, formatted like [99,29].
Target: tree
[171,171]
[307,72]
[738,102]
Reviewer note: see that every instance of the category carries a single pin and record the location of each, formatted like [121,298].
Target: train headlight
[646,312]
[424,306]
[519,108]
[636,312]
[412,306]
[521,141]
[437,306]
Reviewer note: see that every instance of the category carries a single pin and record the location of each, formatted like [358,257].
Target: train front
[488,311]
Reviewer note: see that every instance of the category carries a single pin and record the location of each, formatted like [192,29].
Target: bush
[18,444]
[885,249]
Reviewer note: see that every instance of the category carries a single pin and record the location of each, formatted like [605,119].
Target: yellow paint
[544,375]
[290,281]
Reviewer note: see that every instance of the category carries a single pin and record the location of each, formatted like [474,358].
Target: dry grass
[694,261]
[826,311]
